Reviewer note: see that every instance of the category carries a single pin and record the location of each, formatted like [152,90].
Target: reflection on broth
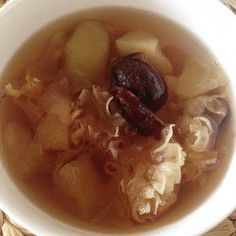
[115,123]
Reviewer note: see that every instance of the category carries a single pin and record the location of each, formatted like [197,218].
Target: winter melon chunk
[24,152]
[141,42]
[57,100]
[15,138]
[86,53]
[53,133]
[198,78]
[81,181]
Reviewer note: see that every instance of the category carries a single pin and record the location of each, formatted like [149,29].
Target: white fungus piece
[83,97]
[76,114]
[32,87]
[103,100]
[199,125]
[12,92]
[209,164]
[96,118]
[78,133]
[113,148]
[200,134]
[215,105]
[197,163]
[200,121]
[152,188]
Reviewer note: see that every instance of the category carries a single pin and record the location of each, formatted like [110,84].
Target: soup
[115,123]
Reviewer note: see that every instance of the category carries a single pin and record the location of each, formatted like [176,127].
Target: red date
[135,74]
[136,113]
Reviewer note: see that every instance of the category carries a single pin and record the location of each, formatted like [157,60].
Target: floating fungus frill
[152,189]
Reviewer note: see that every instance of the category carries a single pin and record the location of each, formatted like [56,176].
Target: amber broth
[176,42]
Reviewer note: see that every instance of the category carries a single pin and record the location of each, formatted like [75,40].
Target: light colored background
[225,228]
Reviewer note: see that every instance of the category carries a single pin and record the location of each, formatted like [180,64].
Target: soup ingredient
[51,59]
[23,149]
[81,181]
[33,159]
[176,57]
[57,100]
[86,53]
[196,164]
[53,133]
[138,76]
[25,97]
[152,188]
[197,79]
[137,113]
[10,229]
[171,83]
[201,133]
[139,41]
[210,164]
[53,128]
[32,88]
[95,120]
[15,138]
[30,108]
[214,106]
[199,126]
[200,121]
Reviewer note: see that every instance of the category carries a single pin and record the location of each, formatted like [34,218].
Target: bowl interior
[18,13]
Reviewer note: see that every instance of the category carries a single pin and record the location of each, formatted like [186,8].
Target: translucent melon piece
[86,53]
[171,82]
[57,100]
[15,139]
[198,78]
[176,57]
[25,154]
[53,133]
[81,181]
[32,111]
[32,159]
[141,42]
[50,60]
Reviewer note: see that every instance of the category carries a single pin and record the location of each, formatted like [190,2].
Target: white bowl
[208,20]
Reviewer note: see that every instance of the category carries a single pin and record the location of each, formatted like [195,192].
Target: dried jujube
[135,112]
[135,74]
